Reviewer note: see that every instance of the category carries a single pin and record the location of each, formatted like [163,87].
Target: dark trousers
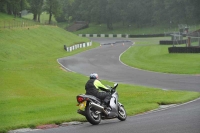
[105,96]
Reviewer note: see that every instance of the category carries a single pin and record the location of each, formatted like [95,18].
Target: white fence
[77,46]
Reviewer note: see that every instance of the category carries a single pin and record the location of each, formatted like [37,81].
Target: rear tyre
[121,113]
[92,115]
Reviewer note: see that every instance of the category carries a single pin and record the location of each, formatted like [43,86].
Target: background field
[147,54]
[35,90]
[132,30]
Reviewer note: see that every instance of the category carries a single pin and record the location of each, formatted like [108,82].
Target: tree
[13,7]
[110,14]
[66,14]
[36,8]
[23,5]
[196,10]
[137,12]
[53,7]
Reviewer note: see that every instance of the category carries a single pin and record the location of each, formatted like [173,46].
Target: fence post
[189,42]
[199,38]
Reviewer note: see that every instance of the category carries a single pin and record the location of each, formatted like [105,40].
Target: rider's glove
[108,90]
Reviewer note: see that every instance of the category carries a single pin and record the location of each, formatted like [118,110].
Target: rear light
[80,99]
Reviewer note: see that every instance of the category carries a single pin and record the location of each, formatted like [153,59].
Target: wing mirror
[115,85]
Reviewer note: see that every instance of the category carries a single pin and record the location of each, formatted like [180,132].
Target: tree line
[15,7]
[137,12]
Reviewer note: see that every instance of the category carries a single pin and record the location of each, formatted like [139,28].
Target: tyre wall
[184,49]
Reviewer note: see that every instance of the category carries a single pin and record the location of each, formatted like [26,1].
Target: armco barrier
[77,46]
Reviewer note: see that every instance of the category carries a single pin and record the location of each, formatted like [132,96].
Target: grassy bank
[147,54]
[35,90]
[9,22]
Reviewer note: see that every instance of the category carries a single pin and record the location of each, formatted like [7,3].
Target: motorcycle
[92,108]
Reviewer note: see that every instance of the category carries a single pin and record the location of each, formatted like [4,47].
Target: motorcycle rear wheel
[92,116]
[121,113]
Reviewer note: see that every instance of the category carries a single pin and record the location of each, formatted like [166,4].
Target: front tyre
[92,115]
[121,112]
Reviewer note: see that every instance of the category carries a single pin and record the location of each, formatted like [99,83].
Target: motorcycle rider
[92,88]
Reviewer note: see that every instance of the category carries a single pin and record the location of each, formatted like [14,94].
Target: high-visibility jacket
[93,85]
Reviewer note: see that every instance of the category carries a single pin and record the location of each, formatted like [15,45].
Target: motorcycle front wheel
[121,113]
[92,115]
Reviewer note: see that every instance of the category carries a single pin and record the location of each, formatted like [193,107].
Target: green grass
[147,54]
[35,90]
[8,21]
[118,28]
[141,99]
[63,25]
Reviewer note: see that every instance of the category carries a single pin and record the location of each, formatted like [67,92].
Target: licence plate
[82,105]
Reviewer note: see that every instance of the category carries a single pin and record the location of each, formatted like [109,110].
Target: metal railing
[9,24]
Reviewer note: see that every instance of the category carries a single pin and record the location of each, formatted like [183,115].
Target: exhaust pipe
[98,107]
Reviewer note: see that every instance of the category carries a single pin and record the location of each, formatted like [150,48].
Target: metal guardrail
[22,23]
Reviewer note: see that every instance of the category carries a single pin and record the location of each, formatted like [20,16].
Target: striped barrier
[77,46]
[122,35]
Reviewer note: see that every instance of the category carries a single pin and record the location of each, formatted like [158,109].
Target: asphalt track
[104,60]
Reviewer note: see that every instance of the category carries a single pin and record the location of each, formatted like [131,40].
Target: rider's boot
[104,105]
[106,108]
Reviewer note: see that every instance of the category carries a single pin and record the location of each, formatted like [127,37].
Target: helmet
[94,76]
